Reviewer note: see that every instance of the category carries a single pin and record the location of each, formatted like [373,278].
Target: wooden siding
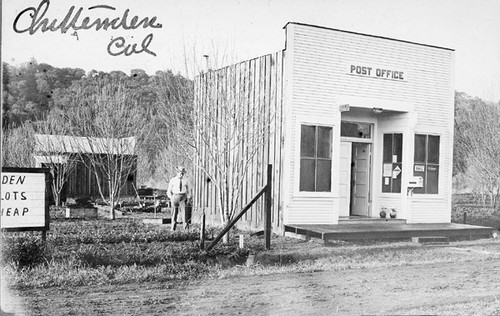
[254,89]
[82,182]
[318,77]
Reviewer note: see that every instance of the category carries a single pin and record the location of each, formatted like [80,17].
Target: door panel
[361,178]
[345,178]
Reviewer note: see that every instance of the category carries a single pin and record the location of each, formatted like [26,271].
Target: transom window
[356,130]
[315,158]
[426,163]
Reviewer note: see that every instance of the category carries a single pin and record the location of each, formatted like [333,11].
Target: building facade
[362,123]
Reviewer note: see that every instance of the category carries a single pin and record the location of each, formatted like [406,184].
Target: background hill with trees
[41,98]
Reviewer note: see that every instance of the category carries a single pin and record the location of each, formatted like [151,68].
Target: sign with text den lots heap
[23,200]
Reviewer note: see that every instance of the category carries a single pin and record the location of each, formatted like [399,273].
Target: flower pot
[393,213]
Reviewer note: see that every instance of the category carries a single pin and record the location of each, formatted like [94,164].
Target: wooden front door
[345,178]
[360,178]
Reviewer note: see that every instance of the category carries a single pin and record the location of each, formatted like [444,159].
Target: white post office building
[359,123]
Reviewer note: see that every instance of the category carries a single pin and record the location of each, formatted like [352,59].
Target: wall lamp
[377,110]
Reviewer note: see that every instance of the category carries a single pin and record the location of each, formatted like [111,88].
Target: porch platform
[381,229]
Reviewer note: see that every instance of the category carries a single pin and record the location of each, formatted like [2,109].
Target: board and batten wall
[317,78]
[251,91]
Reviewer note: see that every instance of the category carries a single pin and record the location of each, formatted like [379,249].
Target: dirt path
[350,292]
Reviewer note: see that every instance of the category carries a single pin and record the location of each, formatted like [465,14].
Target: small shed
[358,123]
[84,179]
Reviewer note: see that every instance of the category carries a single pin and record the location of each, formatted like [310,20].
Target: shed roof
[89,145]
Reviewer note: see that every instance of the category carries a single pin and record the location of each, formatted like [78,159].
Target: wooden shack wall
[256,87]
[83,182]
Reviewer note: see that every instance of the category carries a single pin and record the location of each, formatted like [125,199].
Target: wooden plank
[203,112]
[249,106]
[265,126]
[267,216]
[252,130]
[280,122]
[260,126]
[199,127]
[272,129]
[277,140]
[196,133]
[381,231]
[243,104]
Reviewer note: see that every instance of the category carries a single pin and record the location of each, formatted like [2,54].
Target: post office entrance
[355,170]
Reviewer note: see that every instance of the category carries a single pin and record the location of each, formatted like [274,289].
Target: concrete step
[432,240]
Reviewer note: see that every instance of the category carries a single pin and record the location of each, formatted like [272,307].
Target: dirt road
[350,292]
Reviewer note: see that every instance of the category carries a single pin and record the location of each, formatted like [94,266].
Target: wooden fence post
[202,231]
[203,218]
[267,219]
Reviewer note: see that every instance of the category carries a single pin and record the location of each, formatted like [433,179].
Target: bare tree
[53,151]
[18,146]
[107,123]
[225,135]
[229,135]
[477,130]
[174,120]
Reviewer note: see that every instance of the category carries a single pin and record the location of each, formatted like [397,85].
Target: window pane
[358,130]
[419,148]
[307,174]
[386,184]
[432,179]
[324,142]
[433,153]
[387,147]
[307,141]
[324,176]
[398,147]
[419,171]
[396,182]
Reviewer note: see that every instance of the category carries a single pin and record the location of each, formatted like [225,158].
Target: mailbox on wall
[416,182]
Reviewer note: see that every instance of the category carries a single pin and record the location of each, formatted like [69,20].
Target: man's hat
[181,169]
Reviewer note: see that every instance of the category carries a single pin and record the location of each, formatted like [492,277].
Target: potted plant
[383,213]
[393,212]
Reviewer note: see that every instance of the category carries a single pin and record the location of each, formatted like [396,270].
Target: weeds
[23,252]
[108,252]
[125,251]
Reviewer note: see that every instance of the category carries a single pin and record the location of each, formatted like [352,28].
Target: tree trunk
[112,202]
[57,199]
[225,238]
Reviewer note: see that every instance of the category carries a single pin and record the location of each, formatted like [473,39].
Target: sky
[181,32]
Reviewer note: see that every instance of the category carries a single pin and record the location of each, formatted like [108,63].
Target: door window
[392,163]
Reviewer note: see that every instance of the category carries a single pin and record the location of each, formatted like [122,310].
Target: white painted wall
[318,81]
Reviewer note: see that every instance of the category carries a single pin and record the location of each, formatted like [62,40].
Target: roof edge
[369,35]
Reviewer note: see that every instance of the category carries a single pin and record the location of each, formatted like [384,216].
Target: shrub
[23,252]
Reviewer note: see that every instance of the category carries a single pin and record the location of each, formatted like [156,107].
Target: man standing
[179,191]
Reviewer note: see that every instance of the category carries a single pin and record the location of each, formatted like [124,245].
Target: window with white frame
[426,163]
[315,158]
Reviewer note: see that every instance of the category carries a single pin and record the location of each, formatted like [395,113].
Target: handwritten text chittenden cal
[32,20]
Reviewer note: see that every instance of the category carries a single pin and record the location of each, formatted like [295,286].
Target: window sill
[313,194]
[427,196]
